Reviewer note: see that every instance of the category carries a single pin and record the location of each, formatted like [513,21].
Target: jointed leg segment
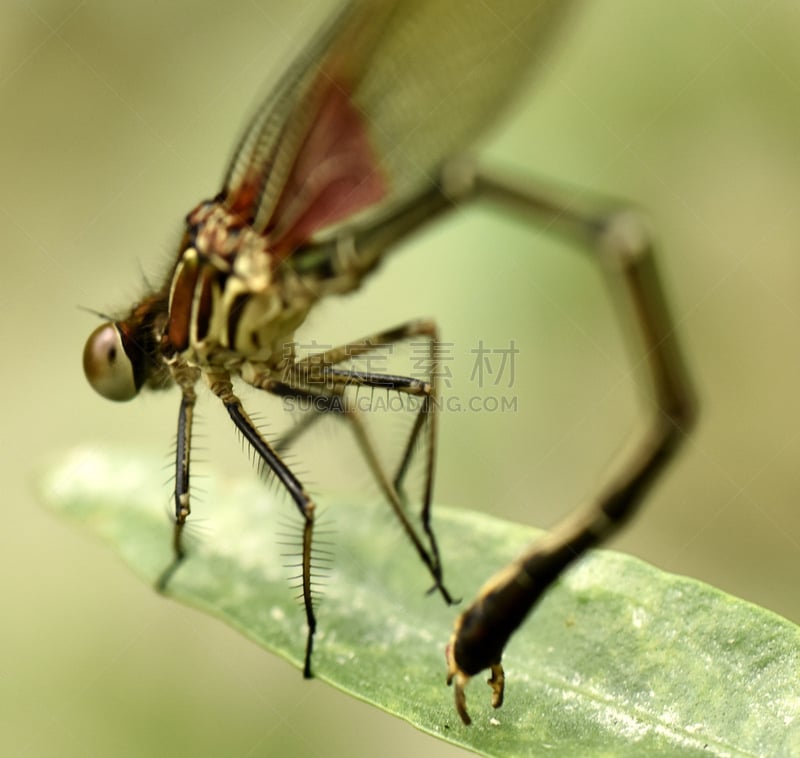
[221,386]
[181,495]
[622,244]
[316,378]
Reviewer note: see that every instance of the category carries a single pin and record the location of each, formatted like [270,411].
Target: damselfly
[353,150]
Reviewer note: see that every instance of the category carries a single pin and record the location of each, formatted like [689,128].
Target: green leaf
[618,659]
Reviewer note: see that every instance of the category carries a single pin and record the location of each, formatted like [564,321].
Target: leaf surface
[618,659]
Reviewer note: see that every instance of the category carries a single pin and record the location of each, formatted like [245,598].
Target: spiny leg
[427,414]
[316,371]
[427,390]
[368,450]
[483,630]
[622,243]
[221,386]
[183,445]
[341,405]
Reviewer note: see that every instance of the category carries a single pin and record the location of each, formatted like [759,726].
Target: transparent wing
[371,108]
[442,74]
[274,157]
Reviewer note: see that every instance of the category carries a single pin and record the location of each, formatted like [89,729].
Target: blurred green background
[116,118]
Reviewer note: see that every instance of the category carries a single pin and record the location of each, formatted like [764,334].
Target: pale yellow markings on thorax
[216,327]
[188,256]
[253,264]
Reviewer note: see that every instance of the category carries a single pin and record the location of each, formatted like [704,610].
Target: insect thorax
[231,302]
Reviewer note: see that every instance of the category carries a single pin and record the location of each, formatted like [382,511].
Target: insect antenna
[99,314]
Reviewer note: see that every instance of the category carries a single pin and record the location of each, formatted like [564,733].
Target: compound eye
[106,364]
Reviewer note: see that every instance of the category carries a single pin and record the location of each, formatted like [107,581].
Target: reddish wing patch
[334,176]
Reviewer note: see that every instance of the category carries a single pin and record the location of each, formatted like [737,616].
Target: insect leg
[289,437]
[183,444]
[308,372]
[368,450]
[333,392]
[319,366]
[221,386]
[621,243]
